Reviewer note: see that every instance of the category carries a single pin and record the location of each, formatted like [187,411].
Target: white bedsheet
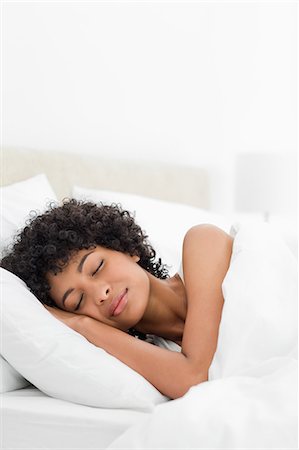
[250,400]
[233,413]
[32,420]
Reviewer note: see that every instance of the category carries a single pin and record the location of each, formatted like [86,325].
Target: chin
[133,314]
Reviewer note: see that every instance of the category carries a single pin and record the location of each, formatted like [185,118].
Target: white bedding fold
[250,400]
[229,413]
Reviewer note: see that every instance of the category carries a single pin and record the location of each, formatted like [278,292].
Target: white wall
[192,82]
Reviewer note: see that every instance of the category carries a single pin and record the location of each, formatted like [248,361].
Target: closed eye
[100,265]
[78,306]
[81,298]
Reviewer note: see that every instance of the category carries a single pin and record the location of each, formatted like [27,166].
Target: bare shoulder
[207,231]
[208,247]
[207,237]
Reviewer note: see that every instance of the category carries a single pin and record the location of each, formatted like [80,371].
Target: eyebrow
[80,265]
[79,269]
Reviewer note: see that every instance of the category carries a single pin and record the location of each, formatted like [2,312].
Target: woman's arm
[206,257]
[168,371]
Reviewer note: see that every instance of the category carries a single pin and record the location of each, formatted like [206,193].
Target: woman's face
[104,284]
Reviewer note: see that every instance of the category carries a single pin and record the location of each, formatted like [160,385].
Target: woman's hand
[72,320]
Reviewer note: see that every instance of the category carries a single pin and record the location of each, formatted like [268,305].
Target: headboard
[170,182]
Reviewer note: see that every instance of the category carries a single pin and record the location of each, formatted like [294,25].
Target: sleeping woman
[94,269]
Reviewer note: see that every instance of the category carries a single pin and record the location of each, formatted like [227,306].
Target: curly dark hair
[49,240]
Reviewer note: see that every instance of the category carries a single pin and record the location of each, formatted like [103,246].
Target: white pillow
[61,362]
[17,200]
[10,379]
[165,223]
[259,317]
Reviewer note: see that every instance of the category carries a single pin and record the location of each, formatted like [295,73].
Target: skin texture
[104,275]
[187,313]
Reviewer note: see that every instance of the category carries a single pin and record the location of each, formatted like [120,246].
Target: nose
[101,300]
[101,294]
[98,292]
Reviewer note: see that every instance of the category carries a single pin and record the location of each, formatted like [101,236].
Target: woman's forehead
[77,256]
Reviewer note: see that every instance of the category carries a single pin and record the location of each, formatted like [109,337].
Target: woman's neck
[167,307]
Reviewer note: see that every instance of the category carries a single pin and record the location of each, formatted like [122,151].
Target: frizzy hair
[50,239]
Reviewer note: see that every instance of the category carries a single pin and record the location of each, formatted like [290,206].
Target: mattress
[32,420]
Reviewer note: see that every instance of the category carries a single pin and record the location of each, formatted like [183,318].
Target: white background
[188,82]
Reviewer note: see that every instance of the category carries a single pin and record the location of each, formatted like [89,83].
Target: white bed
[251,398]
[33,420]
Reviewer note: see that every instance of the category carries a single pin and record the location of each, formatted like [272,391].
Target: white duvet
[250,400]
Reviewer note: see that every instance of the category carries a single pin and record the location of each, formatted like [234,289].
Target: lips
[118,304]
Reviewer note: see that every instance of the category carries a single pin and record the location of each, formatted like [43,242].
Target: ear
[136,258]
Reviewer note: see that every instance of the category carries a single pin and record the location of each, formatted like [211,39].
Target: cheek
[141,279]
[142,292]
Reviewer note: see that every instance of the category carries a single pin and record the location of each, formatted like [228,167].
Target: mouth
[118,304]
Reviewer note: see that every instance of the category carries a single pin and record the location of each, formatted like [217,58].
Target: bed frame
[169,182]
